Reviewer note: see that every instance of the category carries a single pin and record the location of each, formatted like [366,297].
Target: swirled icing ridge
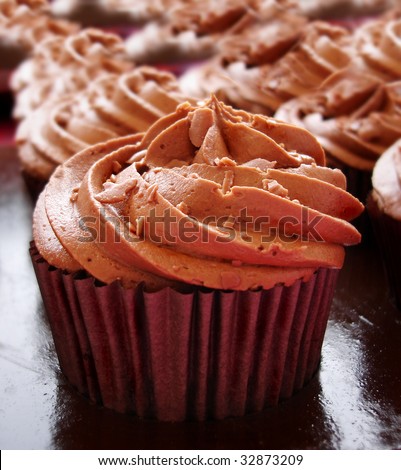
[208,196]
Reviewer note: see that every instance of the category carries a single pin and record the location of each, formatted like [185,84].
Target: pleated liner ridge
[206,354]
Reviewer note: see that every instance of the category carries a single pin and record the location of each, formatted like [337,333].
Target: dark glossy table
[354,402]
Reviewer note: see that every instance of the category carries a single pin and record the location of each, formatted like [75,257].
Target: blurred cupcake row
[341,85]
[187,242]
[248,69]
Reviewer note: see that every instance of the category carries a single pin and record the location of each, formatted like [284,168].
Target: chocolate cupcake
[188,272]
[384,208]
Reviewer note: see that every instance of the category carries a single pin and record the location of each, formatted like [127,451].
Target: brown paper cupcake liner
[388,234]
[173,356]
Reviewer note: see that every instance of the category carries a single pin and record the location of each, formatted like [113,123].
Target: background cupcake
[59,69]
[14,15]
[193,328]
[378,46]
[60,66]
[191,31]
[23,24]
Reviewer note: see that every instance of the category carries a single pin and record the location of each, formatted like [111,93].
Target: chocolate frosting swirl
[25,23]
[355,116]
[379,46]
[193,30]
[259,70]
[64,65]
[114,105]
[322,50]
[11,8]
[208,196]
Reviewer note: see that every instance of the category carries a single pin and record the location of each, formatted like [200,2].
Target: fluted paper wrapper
[388,234]
[173,356]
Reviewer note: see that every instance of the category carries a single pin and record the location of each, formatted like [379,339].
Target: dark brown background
[354,402]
